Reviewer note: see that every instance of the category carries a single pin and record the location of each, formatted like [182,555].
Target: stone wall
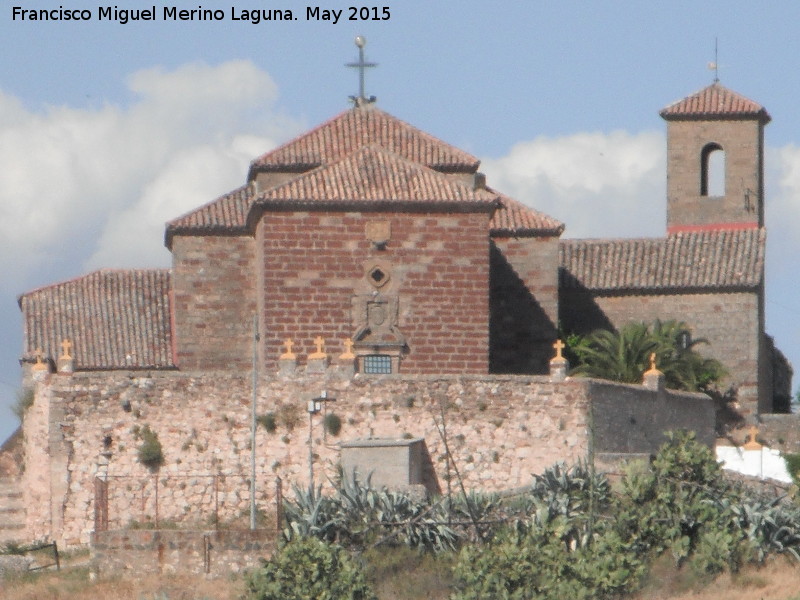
[781,432]
[213,301]
[524,304]
[207,553]
[629,420]
[501,430]
[315,266]
[736,342]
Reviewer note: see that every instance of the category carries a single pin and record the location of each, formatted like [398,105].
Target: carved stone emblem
[378,232]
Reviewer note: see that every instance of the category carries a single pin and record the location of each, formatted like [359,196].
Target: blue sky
[108,130]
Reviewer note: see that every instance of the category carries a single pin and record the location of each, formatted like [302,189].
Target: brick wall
[742,141]
[731,322]
[214,300]
[313,264]
[524,304]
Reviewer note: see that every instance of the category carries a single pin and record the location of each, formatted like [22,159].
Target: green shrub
[539,564]
[23,402]
[793,466]
[268,421]
[309,568]
[332,423]
[150,452]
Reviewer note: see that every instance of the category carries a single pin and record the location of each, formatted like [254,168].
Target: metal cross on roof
[361,65]
[714,66]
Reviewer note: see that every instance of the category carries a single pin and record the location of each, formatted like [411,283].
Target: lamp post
[314,406]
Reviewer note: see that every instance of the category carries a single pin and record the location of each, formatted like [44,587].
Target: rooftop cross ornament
[288,355]
[39,364]
[361,65]
[319,341]
[348,350]
[66,345]
[559,346]
[714,66]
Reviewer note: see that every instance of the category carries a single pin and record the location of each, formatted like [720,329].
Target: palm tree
[625,355]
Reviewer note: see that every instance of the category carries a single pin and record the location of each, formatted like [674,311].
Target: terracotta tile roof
[115,319]
[515,219]
[374,176]
[715,102]
[226,214]
[358,127]
[686,260]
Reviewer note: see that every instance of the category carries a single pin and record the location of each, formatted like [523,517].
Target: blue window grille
[377,364]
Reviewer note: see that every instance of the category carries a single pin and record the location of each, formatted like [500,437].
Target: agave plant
[771,526]
[311,515]
[571,489]
[357,513]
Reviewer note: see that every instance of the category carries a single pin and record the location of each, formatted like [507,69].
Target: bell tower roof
[715,102]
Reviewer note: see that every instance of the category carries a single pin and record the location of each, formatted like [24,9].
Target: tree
[625,355]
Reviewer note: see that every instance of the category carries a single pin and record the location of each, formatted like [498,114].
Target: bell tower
[715,161]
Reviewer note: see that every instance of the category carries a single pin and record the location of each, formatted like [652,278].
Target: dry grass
[778,579]
[400,575]
[74,584]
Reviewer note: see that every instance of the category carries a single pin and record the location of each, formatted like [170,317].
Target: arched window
[712,170]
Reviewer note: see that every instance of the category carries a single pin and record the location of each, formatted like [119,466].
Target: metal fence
[204,501]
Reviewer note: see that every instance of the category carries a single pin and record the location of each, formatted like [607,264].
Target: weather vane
[361,65]
[714,66]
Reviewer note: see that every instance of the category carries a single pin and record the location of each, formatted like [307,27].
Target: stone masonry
[501,430]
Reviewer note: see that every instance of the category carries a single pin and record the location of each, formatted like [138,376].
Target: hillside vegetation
[668,530]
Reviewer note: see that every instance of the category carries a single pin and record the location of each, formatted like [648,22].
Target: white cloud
[102,182]
[598,184]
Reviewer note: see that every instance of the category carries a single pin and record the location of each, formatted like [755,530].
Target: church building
[369,238]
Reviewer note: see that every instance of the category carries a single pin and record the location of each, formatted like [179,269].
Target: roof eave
[762,116]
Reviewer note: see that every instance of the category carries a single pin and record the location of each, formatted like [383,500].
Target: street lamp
[314,406]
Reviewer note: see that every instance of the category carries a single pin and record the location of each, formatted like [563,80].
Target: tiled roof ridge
[254,163]
[242,189]
[288,191]
[99,271]
[513,217]
[714,100]
[464,160]
[710,259]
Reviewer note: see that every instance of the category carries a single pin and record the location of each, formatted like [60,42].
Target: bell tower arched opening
[712,171]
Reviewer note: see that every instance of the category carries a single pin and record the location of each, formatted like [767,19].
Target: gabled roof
[715,102]
[358,127]
[114,319]
[226,215]
[375,176]
[682,261]
[513,218]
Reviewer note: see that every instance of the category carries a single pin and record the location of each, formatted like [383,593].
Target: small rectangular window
[377,364]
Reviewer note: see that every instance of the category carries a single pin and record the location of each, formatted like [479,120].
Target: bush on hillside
[308,568]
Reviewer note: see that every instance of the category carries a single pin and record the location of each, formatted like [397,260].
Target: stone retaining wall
[500,430]
[208,553]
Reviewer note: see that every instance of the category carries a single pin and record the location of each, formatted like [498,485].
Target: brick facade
[315,265]
[214,301]
[524,303]
[743,143]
